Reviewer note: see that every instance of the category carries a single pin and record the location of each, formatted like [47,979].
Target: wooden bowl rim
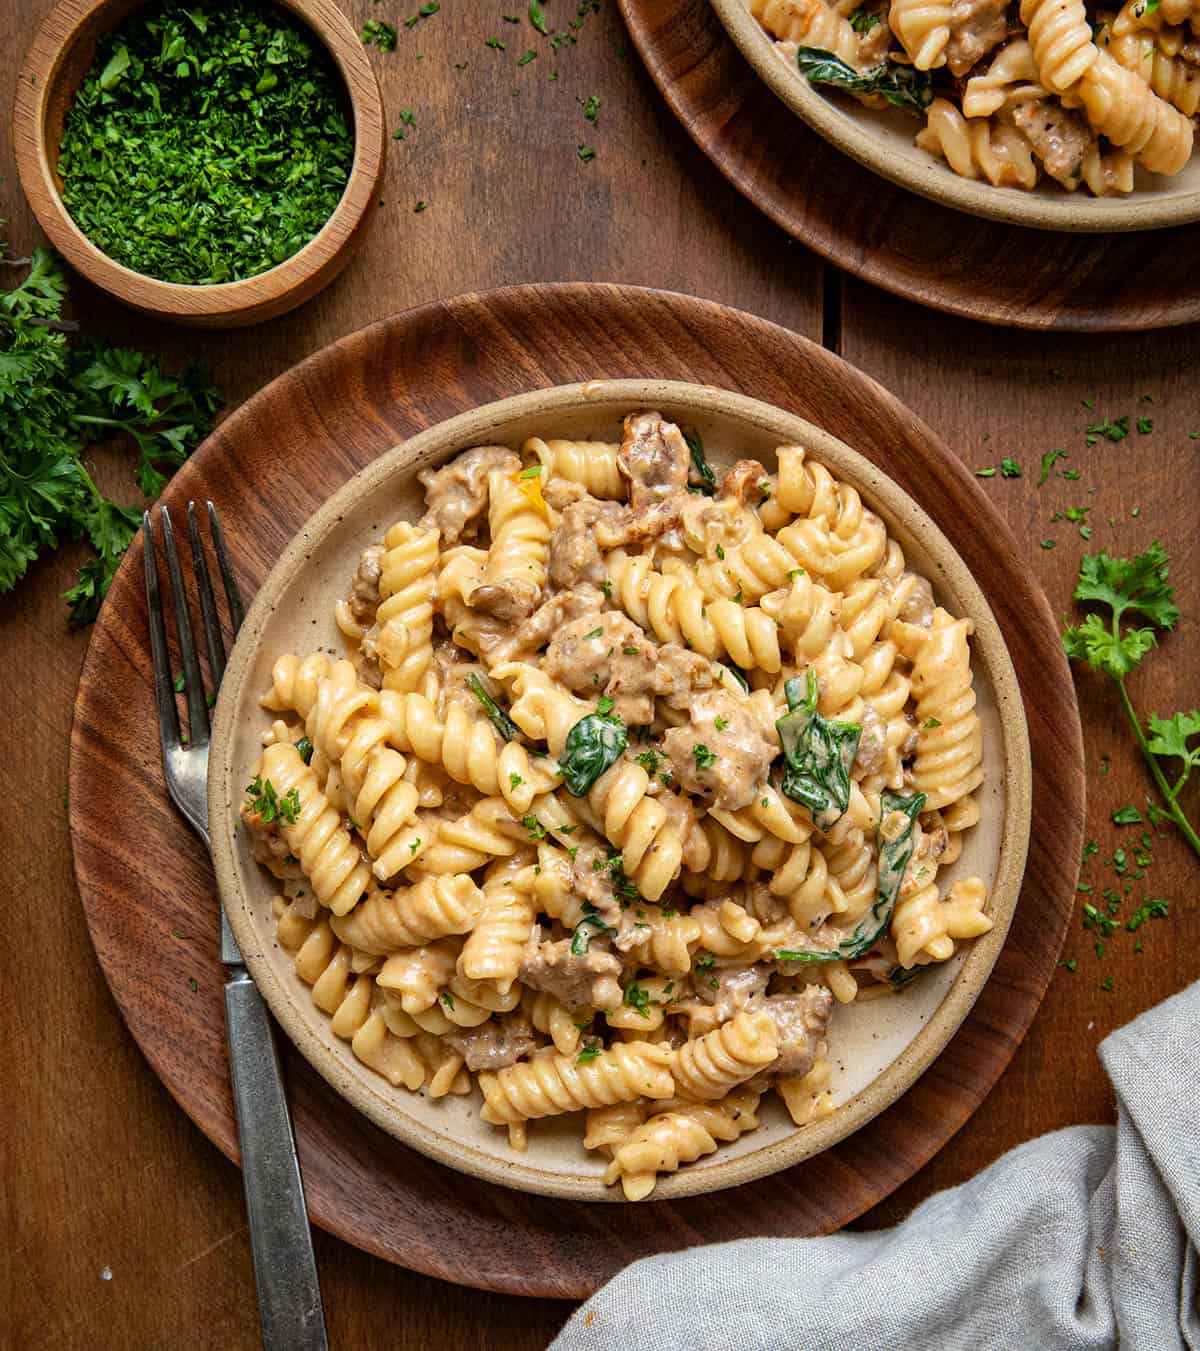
[1009,206]
[39,78]
[485,424]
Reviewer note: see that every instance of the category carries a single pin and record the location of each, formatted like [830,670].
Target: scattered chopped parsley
[720,723]
[863,20]
[990,472]
[263,800]
[931,722]
[637,998]
[495,43]
[591,1049]
[1095,919]
[536,830]
[1145,426]
[1111,430]
[527,57]
[586,153]
[1127,816]
[377,33]
[705,759]
[1047,544]
[447,998]
[537,17]
[1151,909]
[1048,460]
[591,108]
[1009,468]
[305,748]
[1071,963]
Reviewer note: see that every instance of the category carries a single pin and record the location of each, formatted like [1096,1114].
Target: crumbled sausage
[494,1044]
[1060,136]
[801,1020]
[606,653]
[457,494]
[721,754]
[578,980]
[729,989]
[976,26]
[868,759]
[743,481]
[654,458]
[364,588]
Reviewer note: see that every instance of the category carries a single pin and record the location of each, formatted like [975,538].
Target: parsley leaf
[56,399]
[1048,460]
[1137,586]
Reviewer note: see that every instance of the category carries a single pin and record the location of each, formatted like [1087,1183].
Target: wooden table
[124,1227]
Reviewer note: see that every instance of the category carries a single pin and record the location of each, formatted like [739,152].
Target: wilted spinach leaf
[893,859]
[499,718]
[902,86]
[817,755]
[589,927]
[592,746]
[703,470]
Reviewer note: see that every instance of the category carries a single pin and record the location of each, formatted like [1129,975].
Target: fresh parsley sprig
[58,397]
[1128,587]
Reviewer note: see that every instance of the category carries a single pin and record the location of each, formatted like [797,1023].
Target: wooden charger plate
[269,467]
[874,229]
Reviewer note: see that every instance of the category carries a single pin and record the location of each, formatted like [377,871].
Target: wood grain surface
[387,383]
[916,248]
[102,1171]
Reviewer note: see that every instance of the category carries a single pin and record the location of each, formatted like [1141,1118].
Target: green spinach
[893,860]
[498,717]
[707,480]
[589,927]
[817,755]
[902,86]
[592,746]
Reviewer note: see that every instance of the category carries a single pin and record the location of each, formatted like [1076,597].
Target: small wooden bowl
[60,57]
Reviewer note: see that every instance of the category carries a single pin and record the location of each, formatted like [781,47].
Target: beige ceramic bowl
[878,1048]
[883,142]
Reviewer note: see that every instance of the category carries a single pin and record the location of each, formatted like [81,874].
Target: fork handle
[285,1269]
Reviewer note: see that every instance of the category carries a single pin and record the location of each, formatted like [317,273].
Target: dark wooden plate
[1001,274]
[147,886]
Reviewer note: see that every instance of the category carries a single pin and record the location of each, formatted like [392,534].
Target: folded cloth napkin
[1085,1238]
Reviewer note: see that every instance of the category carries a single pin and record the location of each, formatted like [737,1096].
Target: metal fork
[285,1269]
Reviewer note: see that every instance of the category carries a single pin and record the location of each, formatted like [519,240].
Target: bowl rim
[293,1009]
[38,80]
[938,182]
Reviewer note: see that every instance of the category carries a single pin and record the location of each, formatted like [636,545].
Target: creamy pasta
[628,778]
[1013,93]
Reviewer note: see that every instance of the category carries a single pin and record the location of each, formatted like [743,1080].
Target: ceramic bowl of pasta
[1057,114]
[620,790]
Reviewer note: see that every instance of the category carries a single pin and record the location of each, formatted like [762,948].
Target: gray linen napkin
[1085,1238]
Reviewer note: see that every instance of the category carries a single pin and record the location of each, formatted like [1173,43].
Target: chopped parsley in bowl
[207,143]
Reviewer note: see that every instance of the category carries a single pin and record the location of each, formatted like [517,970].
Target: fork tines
[193,678]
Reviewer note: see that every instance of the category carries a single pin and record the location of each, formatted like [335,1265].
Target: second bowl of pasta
[1048,113]
[620,791]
